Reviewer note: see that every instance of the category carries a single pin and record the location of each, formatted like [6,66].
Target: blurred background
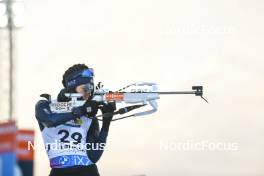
[175,43]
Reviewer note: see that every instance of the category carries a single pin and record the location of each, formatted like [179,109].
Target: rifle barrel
[162,93]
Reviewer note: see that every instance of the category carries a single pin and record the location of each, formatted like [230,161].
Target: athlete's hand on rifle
[78,111]
[108,108]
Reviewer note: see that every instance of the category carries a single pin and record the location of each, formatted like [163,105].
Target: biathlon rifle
[138,94]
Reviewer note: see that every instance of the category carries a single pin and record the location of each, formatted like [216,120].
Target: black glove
[91,108]
[108,108]
[78,111]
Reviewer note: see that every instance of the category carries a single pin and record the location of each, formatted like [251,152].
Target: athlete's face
[82,90]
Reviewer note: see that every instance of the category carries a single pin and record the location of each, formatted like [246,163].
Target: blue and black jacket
[95,135]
